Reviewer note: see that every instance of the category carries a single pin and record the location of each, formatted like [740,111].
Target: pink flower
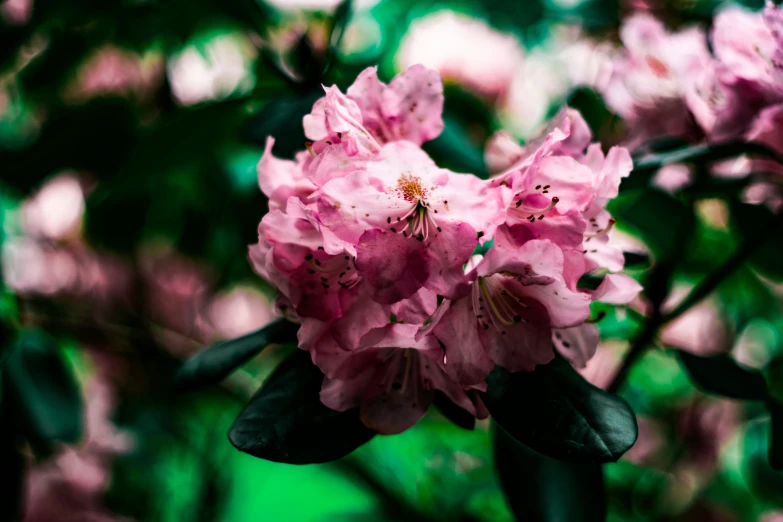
[371,113]
[652,75]
[414,224]
[281,179]
[560,184]
[393,381]
[746,75]
[519,293]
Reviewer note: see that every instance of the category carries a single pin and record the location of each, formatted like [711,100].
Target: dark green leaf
[286,422]
[721,375]
[454,150]
[342,16]
[214,363]
[46,400]
[12,473]
[544,489]
[758,223]
[454,413]
[554,411]
[645,213]
[281,118]
[775,452]
[634,260]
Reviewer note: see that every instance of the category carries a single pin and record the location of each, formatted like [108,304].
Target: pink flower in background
[394,380]
[702,330]
[462,50]
[56,210]
[745,75]
[652,75]
[114,71]
[70,486]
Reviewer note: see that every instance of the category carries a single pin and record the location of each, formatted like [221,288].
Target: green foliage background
[184,176]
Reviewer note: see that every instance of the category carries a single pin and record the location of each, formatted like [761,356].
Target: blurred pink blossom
[114,71]
[69,487]
[55,211]
[702,330]
[16,12]
[672,178]
[239,311]
[220,68]
[652,75]
[464,50]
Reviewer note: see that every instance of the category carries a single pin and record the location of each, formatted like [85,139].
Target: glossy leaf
[45,398]
[544,489]
[285,420]
[214,363]
[554,411]
[721,375]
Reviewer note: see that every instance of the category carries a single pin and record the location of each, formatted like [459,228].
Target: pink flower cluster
[372,245]
[669,83]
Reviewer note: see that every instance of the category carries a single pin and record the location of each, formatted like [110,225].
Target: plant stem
[705,287]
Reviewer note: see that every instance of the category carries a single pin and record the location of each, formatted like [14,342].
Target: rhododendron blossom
[652,74]
[370,244]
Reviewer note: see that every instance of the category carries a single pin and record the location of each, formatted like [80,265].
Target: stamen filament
[488,297]
[603,231]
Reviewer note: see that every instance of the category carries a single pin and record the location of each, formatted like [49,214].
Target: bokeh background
[129,135]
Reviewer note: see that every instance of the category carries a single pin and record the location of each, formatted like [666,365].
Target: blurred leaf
[281,119]
[45,397]
[342,16]
[758,223]
[285,420]
[646,166]
[775,452]
[602,122]
[554,411]
[214,363]
[454,413]
[544,489]
[721,375]
[12,475]
[96,137]
[663,222]
[635,260]
[454,150]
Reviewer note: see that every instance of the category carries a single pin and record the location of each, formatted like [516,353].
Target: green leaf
[45,398]
[662,221]
[12,472]
[342,16]
[544,489]
[775,451]
[214,363]
[454,150]
[285,420]
[454,413]
[554,411]
[758,223]
[721,375]
[281,119]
